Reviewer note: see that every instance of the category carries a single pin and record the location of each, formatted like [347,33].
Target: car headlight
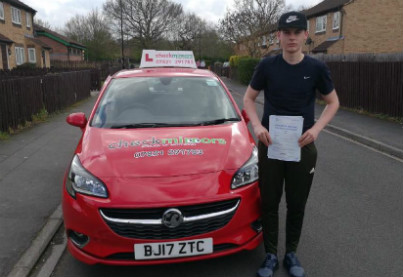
[81,181]
[248,173]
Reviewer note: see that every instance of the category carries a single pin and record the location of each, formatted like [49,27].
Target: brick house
[17,42]
[355,26]
[346,26]
[63,48]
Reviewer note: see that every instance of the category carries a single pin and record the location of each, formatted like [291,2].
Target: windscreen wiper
[217,121]
[151,125]
[141,125]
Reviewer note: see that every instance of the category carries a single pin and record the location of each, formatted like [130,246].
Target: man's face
[292,39]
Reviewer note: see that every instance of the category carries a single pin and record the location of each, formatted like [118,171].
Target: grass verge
[364,112]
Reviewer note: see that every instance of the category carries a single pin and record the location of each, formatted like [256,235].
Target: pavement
[32,167]
[30,194]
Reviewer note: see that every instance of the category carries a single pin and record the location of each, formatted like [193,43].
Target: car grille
[198,219]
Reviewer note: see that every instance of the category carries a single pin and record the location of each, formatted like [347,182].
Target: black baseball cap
[295,20]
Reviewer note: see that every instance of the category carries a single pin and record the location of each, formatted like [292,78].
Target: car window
[166,100]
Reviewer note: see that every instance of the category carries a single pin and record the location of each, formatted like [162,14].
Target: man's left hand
[308,137]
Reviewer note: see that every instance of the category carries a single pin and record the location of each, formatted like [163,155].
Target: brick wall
[373,26]
[57,47]
[59,51]
[337,47]
[240,49]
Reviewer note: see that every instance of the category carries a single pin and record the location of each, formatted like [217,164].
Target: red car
[165,171]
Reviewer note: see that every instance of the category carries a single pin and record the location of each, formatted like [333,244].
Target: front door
[4,56]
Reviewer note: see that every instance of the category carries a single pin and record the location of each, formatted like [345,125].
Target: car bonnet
[162,152]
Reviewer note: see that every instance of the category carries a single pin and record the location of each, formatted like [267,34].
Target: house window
[264,41]
[15,15]
[1,11]
[28,17]
[336,20]
[19,55]
[321,24]
[31,55]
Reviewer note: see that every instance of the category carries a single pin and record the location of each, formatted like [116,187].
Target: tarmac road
[353,225]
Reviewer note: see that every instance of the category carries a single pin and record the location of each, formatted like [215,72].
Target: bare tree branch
[145,21]
[249,20]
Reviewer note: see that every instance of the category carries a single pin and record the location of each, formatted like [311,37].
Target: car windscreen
[167,101]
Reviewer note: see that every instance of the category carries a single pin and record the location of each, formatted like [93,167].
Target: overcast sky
[58,12]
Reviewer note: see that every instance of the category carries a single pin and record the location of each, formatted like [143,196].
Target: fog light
[79,239]
[257,225]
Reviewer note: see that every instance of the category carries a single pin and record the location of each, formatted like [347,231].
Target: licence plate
[172,249]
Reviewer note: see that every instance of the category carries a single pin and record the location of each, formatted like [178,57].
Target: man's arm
[332,105]
[249,104]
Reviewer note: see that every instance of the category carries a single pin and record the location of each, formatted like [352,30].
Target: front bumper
[107,247]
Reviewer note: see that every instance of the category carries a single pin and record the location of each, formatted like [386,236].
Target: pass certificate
[285,132]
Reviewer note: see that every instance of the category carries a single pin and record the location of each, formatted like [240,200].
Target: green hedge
[234,60]
[246,67]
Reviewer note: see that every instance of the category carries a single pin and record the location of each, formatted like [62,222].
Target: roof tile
[324,7]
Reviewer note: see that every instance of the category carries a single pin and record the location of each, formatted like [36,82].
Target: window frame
[17,13]
[264,41]
[321,21]
[28,19]
[19,52]
[2,16]
[334,20]
[31,49]
[271,39]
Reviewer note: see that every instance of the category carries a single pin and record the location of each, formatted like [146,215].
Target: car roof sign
[153,58]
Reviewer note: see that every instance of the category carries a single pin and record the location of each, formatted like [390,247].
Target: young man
[289,81]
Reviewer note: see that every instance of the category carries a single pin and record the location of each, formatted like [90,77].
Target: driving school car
[165,171]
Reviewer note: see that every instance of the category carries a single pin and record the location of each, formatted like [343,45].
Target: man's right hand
[262,134]
[260,131]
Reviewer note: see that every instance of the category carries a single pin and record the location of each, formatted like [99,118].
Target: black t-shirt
[291,89]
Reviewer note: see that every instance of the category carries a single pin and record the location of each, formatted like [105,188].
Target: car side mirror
[77,119]
[245,116]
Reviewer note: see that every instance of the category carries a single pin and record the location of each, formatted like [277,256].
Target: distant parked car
[166,169]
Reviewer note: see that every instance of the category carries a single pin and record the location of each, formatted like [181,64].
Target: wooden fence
[372,83]
[21,98]
[376,87]
[104,69]
[96,74]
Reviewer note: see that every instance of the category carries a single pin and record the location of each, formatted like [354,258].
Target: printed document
[285,132]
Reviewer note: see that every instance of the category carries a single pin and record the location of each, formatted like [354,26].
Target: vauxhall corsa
[165,171]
